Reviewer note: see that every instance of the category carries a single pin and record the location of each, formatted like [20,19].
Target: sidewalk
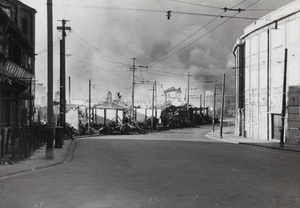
[228,136]
[36,161]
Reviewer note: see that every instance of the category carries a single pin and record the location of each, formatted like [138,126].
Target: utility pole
[62,102]
[133,68]
[214,111]
[50,129]
[69,90]
[204,99]
[89,116]
[283,100]
[133,85]
[63,28]
[200,101]
[188,98]
[152,118]
[222,107]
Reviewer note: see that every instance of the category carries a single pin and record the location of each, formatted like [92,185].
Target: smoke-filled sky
[107,34]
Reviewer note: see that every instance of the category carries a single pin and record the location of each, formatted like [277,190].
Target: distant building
[260,63]
[174,97]
[17,56]
[40,95]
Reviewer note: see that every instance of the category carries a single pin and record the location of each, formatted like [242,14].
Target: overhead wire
[46,49]
[82,41]
[157,11]
[161,5]
[110,71]
[95,59]
[190,36]
[213,7]
[95,50]
[205,34]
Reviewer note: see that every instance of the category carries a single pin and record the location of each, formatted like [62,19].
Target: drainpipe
[283,100]
[268,85]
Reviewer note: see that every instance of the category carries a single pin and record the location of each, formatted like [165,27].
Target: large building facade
[268,47]
[17,55]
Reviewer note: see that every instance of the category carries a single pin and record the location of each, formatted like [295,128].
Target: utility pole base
[49,154]
[49,145]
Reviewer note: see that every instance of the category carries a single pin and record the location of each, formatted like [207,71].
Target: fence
[16,143]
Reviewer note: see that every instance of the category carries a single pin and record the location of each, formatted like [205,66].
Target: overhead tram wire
[157,58]
[110,71]
[90,49]
[205,34]
[161,5]
[161,73]
[84,57]
[158,11]
[212,7]
[46,49]
[95,50]
[197,38]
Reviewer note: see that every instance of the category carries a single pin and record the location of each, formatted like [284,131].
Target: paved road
[178,168]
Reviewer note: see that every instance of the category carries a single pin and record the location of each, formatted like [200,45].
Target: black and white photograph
[149,103]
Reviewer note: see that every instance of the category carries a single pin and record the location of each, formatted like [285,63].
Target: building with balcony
[17,57]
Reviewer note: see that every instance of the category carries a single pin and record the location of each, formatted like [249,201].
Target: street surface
[173,169]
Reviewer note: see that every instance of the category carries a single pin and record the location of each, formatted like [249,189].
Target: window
[25,27]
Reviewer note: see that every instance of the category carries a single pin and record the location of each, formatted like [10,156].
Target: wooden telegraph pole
[89,118]
[222,107]
[63,28]
[133,85]
[69,90]
[188,98]
[50,125]
[214,111]
[152,118]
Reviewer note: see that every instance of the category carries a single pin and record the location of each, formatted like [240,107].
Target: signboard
[13,70]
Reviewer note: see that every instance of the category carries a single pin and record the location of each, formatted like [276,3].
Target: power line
[110,71]
[219,25]
[161,5]
[46,49]
[92,48]
[224,8]
[212,7]
[83,42]
[84,57]
[212,15]
[156,58]
[160,11]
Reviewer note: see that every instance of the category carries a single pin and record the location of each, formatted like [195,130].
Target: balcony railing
[13,70]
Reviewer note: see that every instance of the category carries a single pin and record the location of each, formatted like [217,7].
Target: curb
[210,135]
[270,147]
[40,167]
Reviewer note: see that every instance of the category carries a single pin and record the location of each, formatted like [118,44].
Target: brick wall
[293,121]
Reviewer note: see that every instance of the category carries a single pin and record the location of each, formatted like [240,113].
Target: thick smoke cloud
[105,39]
